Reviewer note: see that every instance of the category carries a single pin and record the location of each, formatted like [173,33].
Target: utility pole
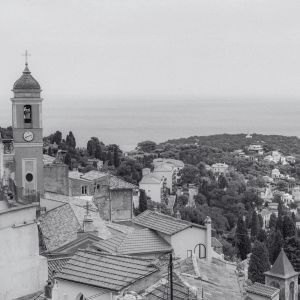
[171,276]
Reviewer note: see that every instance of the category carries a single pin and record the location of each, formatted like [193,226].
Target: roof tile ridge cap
[124,237]
[174,218]
[50,210]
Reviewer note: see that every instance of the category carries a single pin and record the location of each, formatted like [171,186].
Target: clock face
[28,136]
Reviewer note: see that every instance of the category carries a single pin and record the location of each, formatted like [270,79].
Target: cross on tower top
[26,54]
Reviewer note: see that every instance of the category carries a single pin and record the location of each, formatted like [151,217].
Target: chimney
[88,223]
[207,223]
[146,171]
[178,215]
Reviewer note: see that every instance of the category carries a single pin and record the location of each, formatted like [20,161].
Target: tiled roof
[117,183]
[282,267]
[262,290]
[55,265]
[162,223]
[161,290]
[26,81]
[93,175]
[60,225]
[136,242]
[105,271]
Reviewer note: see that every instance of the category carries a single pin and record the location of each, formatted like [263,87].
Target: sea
[127,122]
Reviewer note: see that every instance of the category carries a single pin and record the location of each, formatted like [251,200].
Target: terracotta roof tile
[55,265]
[262,290]
[106,271]
[136,242]
[162,223]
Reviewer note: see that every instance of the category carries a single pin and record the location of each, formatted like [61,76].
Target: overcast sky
[153,48]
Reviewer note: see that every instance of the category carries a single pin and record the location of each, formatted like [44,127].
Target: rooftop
[161,290]
[26,81]
[262,290]
[163,223]
[55,265]
[151,179]
[137,242]
[282,267]
[105,271]
[165,167]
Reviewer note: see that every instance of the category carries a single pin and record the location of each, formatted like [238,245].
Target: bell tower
[28,132]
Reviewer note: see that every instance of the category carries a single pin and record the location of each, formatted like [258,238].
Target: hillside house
[154,186]
[184,237]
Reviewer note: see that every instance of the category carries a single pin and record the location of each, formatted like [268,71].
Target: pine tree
[275,243]
[116,158]
[254,224]
[98,152]
[259,263]
[142,201]
[242,239]
[288,227]
[70,140]
[272,222]
[109,158]
[68,161]
[261,236]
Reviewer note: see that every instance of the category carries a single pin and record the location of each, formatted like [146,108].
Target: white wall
[67,290]
[1,160]
[187,240]
[23,270]
[152,190]
[168,175]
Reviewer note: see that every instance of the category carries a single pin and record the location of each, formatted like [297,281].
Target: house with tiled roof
[102,276]
[154,185]
[258,291]
[184,237]
[140,242]
[112,195]
[283,276]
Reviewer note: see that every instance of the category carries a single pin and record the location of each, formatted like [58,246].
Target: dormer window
[27,114]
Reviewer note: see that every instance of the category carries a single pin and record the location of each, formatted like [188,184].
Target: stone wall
[56,179]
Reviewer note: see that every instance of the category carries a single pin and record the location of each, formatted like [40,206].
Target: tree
[142,201]
[292,250]
[110,158]
[98,152]
[70,140]
[261,236]
[242,239]
[260,221]
[275,243]
[259,263]
[222,182]
[68,160]
[116,158]
[189,174]
[288,227]
[254,224]
[92,145]
[146,146]
[56,138]
[272,222]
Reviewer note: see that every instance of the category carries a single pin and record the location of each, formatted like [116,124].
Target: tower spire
[26,54]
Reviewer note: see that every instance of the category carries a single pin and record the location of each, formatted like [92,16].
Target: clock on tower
[28,132]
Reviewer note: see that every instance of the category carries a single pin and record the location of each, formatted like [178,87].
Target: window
[84,190]
[27,114]
[292,291]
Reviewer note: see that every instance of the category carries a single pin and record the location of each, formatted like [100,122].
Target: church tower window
[27,114]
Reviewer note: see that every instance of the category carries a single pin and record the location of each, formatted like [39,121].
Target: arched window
[80,297]
[27,114]
[292,291]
